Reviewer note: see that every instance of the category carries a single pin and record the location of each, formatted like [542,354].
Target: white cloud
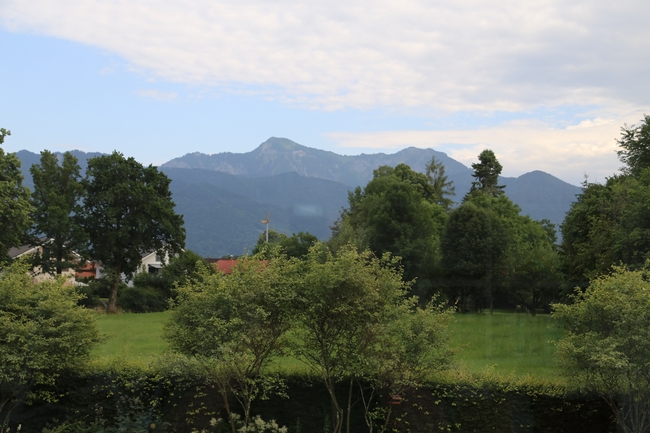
[157,94]
[522,146]
[446,55]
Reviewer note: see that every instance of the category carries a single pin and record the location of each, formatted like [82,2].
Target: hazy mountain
[223,212]
[539,194]
[224,196]
[280,155]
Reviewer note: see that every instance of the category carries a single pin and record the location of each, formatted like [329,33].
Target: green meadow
[506,343]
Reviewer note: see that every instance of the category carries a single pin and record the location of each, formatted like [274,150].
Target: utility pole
[266,221]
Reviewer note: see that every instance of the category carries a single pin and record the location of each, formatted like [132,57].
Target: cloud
[521,146]
[476,55]
[157,94]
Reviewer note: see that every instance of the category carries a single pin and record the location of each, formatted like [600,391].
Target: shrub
[142,300]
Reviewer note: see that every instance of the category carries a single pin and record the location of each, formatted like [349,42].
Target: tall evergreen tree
[486,173]
[57,196]
[442,188]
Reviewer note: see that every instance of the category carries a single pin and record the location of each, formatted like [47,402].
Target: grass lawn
[511,343]
[131,335]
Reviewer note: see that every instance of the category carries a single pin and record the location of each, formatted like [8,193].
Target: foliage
[486,173]
[492,252]
[15,209]
[142,300]
[608,342]
[635,147]
[234,324]
[609,224]
[184,267]
[442,188]
[128,212]
[56,199]
[396,213]
[475,245]
[355,322]
[296,245]
[43,333]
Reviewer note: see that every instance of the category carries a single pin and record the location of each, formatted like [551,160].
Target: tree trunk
[347,429]
[111,308]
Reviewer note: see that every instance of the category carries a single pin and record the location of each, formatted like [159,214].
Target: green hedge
[173,394]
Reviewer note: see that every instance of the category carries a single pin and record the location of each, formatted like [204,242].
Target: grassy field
[507,342]
[512,343]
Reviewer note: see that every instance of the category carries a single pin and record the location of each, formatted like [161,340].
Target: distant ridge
[281,155]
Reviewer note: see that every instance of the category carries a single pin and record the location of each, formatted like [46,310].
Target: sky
[546,84]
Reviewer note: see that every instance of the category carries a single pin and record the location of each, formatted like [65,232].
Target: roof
[19,251]
[225,265]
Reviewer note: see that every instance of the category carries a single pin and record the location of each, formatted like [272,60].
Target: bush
[142,300]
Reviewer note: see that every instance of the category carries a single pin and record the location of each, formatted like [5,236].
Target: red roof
[225,265]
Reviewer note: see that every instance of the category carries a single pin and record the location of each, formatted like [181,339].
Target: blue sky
[545,84]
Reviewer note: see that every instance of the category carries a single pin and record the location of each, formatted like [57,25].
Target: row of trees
[478,252]
[609,223]
[117,212]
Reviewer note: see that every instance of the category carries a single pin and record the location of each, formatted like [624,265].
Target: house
[37,272]
[150,262]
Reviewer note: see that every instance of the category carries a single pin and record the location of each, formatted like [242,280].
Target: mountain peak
[279,145]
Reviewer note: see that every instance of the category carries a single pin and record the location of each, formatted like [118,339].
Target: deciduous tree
[347,302]
[56,199]
[128,211]
[608,343]
[635,147]
[43,332]
[15,209]
[396,212]
[234,324]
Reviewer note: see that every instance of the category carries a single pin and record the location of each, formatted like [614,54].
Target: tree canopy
[397,212]
[635,147]
[608,342]
[43,332]
[441,186]
[15,208]
[128,212]
[56,199]
[486,173]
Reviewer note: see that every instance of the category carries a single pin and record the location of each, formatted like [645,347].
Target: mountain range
[224,196]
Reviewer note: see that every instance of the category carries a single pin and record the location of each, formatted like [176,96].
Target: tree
[128,211]
[442,189]
[607,345]
[296,245]
[635,144]
[474,246]
[234,324]
[57,196]
[534,276]
[396,212]
[15,209]
[411,347]
[346,304]
[43,332]
[486,173]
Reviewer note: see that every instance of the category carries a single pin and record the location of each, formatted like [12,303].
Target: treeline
[479,253]
[119,211]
